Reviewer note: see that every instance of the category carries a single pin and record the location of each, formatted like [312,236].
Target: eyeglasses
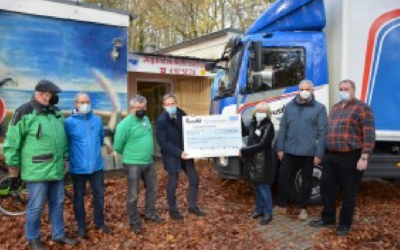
[83,102]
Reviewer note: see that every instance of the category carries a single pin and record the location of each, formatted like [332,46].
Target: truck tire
[296,181]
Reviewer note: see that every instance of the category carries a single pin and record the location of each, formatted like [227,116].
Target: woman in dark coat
[257,157]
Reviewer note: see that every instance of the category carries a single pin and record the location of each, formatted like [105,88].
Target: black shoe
[175,215]
[196,211]
[255,215]
[82,233]
[321,223]
[136,228]
[155,218]
[65,241]
[342,230]
[36,245]
[265,220]
[104,229]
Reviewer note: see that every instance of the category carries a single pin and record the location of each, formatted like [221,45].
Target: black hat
[45,85]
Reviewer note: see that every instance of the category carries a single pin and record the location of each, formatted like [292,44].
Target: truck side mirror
[210,66]
[257,53]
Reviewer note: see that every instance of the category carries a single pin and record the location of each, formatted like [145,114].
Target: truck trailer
[324,41]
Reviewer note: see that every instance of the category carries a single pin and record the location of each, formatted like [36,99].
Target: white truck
[324,41]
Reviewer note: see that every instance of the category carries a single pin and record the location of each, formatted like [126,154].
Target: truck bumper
[383,166]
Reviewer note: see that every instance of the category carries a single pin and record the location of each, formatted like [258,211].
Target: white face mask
[305,94]
[344,96]
[84,108]
[260,116]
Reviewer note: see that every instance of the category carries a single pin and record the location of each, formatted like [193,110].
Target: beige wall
[211,49]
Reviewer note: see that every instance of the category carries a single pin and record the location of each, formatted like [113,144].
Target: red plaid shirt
[351,127]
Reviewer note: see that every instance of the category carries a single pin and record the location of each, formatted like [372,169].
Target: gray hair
[137,98]
[352,84]
[306,81]
[167,96]
[79,95]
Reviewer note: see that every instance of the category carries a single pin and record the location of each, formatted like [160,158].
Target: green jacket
[134,140]
[36,142]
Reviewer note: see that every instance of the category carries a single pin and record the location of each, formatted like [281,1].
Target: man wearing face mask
[85,138]
[300,142]
[170,138]
[350,141]
[134,141]
[36,148]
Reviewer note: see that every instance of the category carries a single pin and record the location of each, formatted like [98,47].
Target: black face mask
[140,113]
[54,99]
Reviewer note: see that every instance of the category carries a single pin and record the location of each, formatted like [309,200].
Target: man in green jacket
[134,141]
[35,147]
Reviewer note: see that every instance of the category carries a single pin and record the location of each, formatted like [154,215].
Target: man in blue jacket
[300,142]
[170,138]
[85,134]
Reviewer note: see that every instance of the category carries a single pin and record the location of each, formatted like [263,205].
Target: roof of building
[198,40]
[94,6]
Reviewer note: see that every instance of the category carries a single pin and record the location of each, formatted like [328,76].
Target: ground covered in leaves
[226,226]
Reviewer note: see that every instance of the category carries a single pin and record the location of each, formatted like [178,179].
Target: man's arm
[368,128]
[322,123]
[13,142]
[120,138]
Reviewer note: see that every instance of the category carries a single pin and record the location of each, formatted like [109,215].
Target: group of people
[41,146]
[307,137]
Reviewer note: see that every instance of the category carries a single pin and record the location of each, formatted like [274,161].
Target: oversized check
[212,136]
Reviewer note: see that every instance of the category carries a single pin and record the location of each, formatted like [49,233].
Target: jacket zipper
[90,146]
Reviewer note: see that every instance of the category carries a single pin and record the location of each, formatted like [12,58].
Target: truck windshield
[287,66]
[227,84]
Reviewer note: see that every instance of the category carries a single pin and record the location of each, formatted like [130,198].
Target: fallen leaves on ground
[226,226]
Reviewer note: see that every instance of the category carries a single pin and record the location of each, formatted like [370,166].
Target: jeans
[340,169]
[190,171]
[263,199]
[96,181]
[38,192]
[135,173]
[289,161]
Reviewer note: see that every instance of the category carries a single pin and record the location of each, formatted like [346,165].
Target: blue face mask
[344,96]
[84,108]
[171,109]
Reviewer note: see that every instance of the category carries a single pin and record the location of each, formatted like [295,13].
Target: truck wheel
[296,181]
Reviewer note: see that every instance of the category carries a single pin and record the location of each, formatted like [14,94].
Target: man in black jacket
[170,138]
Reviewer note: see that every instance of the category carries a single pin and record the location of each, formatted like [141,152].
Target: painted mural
[74,55]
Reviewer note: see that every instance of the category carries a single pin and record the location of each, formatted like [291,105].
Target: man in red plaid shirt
[350,141]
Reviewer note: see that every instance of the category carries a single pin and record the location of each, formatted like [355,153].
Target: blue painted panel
[290,15]
[75,55]
[384,96]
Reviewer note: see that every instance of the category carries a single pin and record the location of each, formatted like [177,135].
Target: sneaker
[196,210]
[104,229]
[175,215]
[280,210]
[82,233]
[265,220]
[136,228]
[342,230]
[303,214]
[65,241]
[155,218]
[36,245]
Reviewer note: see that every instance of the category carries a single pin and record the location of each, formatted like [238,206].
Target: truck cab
[286,44]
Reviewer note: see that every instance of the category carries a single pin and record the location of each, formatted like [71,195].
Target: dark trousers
[340,170]
[135,173]
[306,164]
[191,173]
[96,181]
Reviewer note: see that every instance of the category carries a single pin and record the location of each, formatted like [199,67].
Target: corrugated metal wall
[193,95]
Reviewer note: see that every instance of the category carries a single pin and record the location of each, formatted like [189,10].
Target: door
[154,91]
